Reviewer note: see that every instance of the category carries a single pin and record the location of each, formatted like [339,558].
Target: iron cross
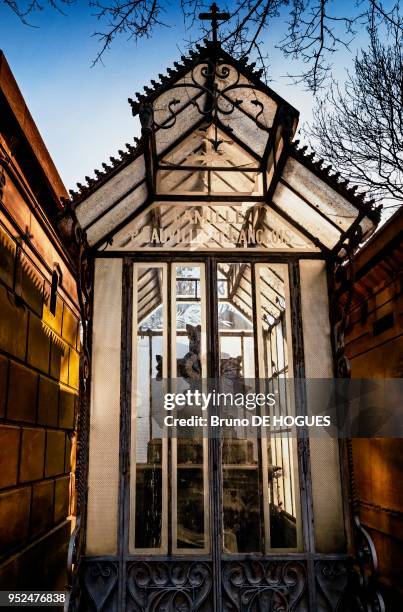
[214,16]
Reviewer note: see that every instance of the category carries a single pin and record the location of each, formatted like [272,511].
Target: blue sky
[82,111]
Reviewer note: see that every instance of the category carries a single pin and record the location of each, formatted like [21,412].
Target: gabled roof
[208,91]
[310,160]
[151,93]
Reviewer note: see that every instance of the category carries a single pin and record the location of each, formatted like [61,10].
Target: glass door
[169,495]
[260,501]
[248,348]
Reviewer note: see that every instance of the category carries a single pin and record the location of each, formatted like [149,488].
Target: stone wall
[39,378]
[374,344]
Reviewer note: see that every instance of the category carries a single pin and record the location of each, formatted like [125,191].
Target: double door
[211,522]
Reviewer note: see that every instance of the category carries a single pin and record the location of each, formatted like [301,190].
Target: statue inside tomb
[231,368]
[189,366]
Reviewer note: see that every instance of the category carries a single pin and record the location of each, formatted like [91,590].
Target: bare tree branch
[360,128]
[316,29]
[137,18]
[23,10]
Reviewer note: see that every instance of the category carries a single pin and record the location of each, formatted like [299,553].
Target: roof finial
[214,16]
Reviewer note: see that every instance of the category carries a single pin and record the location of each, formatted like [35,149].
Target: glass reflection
[280,473]
[259,473]
[242,517]
[149,354]
[189,454]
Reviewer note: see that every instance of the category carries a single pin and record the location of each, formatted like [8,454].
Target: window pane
[148,498]
[278,451]
[189,455]
[240,454]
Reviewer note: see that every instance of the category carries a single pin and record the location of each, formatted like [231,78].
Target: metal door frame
[315,575]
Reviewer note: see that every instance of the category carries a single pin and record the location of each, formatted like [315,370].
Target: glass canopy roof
[216,168]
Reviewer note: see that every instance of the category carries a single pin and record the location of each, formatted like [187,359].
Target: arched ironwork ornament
[215,71]
[217,93]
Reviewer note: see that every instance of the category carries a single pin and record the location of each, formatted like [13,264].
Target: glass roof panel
[187,182]
[367,227]
[256,104]
[181,92]
[117,214]
[98,203]
[307,217]
[182,181]
[278,226]
[185,119]
[197,149]
[244,128]
[244,183]
[321,195]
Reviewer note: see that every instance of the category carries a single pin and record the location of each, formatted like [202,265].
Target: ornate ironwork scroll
[216,99]
[99,581]
[178,586]
[76,242]
[368,597]
[273,586]
[332,580]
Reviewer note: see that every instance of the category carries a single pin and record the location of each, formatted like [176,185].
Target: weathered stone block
[54,321]
[38,344]
[59,362]
[48,402]
[7,255]
[13,325]
[42,506]
[67,406]
[68,459]
[64,365]
[62,492]
[3,384]
[55,453]
[74,369]
[32,454]
[70,326]
[32,283]
[14,518]
[22,392]
[9,453]
[55,360]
